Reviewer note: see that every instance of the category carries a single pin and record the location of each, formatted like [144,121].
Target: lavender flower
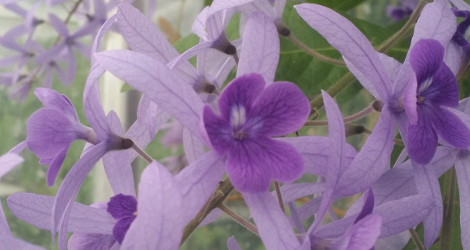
[52,129]
[124,209]
[405,9]
[249,115]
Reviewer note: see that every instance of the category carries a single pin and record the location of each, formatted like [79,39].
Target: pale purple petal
[308,209]
[161,201]
[436,22]
[428,184]
[350,42]
[397,241]
[79,241]
[254,162]
[193,146]
[69,188]
[9,242]
[365,233]
[227,4]
[8,162]
[143,36]
[452,57]
[460,4]
[94,112]
[315,152]
[232,244]
[198,181]
[36,210]
[49,55]
[193,51]
[155,80]
[462,167]
[273,226]
[281,109]
[410,101]
[55,166]
[59,26]
[372,161]
[259,52]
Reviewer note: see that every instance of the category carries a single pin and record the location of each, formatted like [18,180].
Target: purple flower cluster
[246,127]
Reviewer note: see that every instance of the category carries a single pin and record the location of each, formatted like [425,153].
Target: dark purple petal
[121,227]
[450,128]
[121,206]
[421,139]
[253,163]
[444,89]
[241,93]
[426,58]
[368,206]
[218,131]
[281,109]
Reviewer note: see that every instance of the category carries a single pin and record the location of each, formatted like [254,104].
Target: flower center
[239,135]
[421,99]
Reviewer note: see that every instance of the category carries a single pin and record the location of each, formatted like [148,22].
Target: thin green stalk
[246,224]
[219,195]
[279,196]
[314,53]
[414,236]
[333,90]
[449,186]
[414,16]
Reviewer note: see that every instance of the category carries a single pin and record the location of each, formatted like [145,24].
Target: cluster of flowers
[243,125]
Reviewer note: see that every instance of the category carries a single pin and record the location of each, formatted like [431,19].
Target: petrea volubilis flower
[426,102]
[52,129]
[249,115]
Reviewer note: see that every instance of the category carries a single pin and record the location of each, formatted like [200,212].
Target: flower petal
[241,93]
[365,232]
[160,200]
[8,162]
[273,226]
[259,52]
[428,184]
[121,206]
[36,210]
[462,167]
[421,141]
[451,128]
[218,131]
[281,109]
[350,42]
[80,241]
[253,163]
[426,57]
[232,244]
[159,83]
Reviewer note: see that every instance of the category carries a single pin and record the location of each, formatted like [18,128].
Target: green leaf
[338,4]
[186,42]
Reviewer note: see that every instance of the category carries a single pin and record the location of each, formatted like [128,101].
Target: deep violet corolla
[427,100]
[249,115]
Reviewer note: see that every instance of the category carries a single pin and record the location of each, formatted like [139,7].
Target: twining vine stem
[239,219]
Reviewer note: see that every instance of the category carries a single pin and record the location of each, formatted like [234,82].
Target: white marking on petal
[238,116]
[467,34]
[425,85]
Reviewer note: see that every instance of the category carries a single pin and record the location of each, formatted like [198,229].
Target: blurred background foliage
[310,74]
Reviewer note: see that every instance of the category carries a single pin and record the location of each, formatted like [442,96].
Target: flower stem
[334,89]
[446,233]
[142,153]
[416,240]
[246,224]
[413,17]
[223,190]
[361,114]
[314,53]
[279,196]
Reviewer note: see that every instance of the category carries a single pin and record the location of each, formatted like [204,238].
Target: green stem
[279,196]
[361,114]
[314,53]
[333,90]
[414,16]
[246,224]
[446,233]
[219,195]
[414,236]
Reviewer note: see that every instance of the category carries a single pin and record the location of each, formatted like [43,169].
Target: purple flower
[52,129]
[124,209]
[425,100]
[405,9]
[249,115]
